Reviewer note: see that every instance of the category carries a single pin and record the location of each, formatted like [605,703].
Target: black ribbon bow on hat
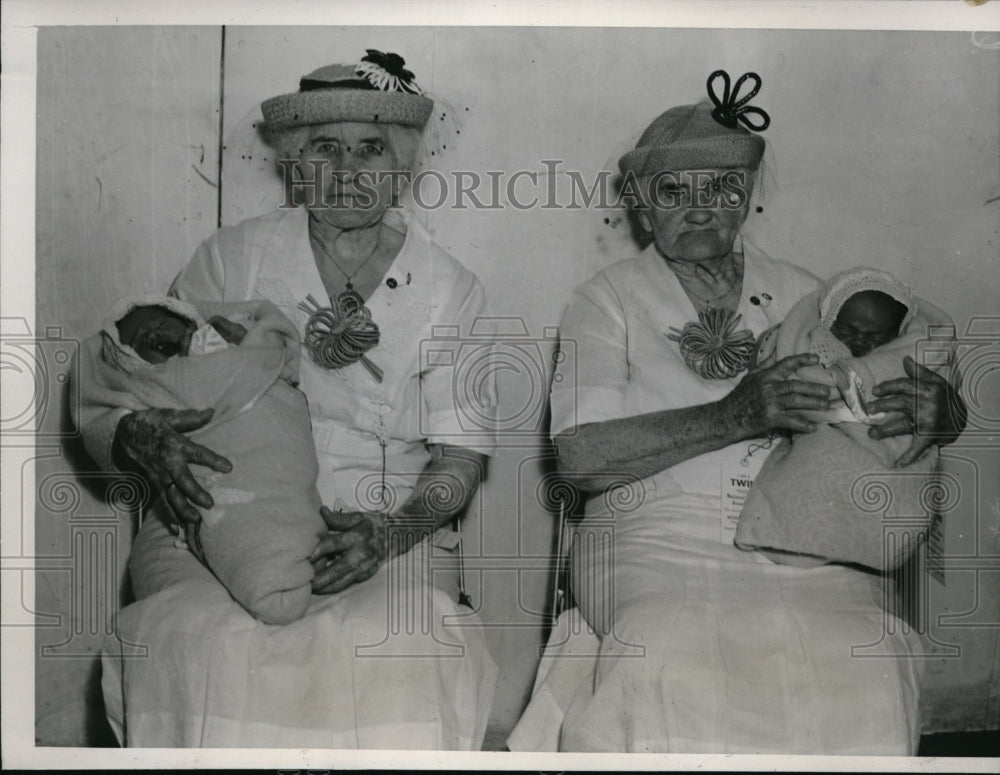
[729,109]
[385,71]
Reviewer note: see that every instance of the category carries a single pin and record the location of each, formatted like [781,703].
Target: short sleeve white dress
[393,662]
[681,642]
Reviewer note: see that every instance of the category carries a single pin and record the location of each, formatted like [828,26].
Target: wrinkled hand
[154,439]
[771,399]
[351,552]
[930,408]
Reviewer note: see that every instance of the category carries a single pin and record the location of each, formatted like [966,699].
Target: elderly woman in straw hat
[697,646]
[374,662]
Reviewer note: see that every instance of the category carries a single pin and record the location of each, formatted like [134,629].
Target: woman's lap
[767,681]
[711,650]
[374,666]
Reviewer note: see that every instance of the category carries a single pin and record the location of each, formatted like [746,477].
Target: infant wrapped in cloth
[257,539]
[821,497]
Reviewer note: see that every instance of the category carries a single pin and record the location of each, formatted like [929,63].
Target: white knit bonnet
[842,286]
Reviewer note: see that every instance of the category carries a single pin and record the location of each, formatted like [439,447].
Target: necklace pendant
[350,302]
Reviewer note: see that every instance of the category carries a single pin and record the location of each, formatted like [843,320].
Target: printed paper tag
[735,487]
[740,467]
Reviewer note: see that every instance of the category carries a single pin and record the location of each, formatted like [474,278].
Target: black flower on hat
[729,109]
[385,72]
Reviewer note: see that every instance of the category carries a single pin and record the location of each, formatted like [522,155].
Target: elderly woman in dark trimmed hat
[701,647]
[372,664]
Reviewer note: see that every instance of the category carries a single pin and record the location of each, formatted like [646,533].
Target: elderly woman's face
[696,214]
[355,163]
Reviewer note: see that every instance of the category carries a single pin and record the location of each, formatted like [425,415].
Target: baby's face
[868,319]
[156,333]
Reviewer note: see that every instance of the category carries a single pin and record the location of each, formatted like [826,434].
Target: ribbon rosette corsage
[712,347]
[341,334]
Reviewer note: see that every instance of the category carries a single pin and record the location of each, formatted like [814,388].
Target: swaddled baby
[158,334]
[809,500]
[265,523]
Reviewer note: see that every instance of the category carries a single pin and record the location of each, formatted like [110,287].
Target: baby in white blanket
[157,334]
[808,503]
[265,524]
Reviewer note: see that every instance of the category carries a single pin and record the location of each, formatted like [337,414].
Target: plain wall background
[883,150]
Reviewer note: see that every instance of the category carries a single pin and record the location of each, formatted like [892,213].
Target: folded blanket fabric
[265,522]
[834,495]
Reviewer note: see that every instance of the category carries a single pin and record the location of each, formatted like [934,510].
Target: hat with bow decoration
[703,136]
[377,90]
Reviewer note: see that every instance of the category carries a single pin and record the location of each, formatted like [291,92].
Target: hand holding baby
[154,438]
[771,398]
[930,408]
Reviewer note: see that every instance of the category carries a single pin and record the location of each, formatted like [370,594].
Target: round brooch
[711,347]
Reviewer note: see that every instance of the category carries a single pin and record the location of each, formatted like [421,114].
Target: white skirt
[391,663]
[697,647]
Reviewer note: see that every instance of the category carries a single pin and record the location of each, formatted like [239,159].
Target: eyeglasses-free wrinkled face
[695,215]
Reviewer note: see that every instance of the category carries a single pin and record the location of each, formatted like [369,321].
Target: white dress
[694,646]
[392,662]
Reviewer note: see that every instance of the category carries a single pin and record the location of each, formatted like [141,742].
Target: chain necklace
[341,334]
[724,300]
[349,286]
[728,299]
